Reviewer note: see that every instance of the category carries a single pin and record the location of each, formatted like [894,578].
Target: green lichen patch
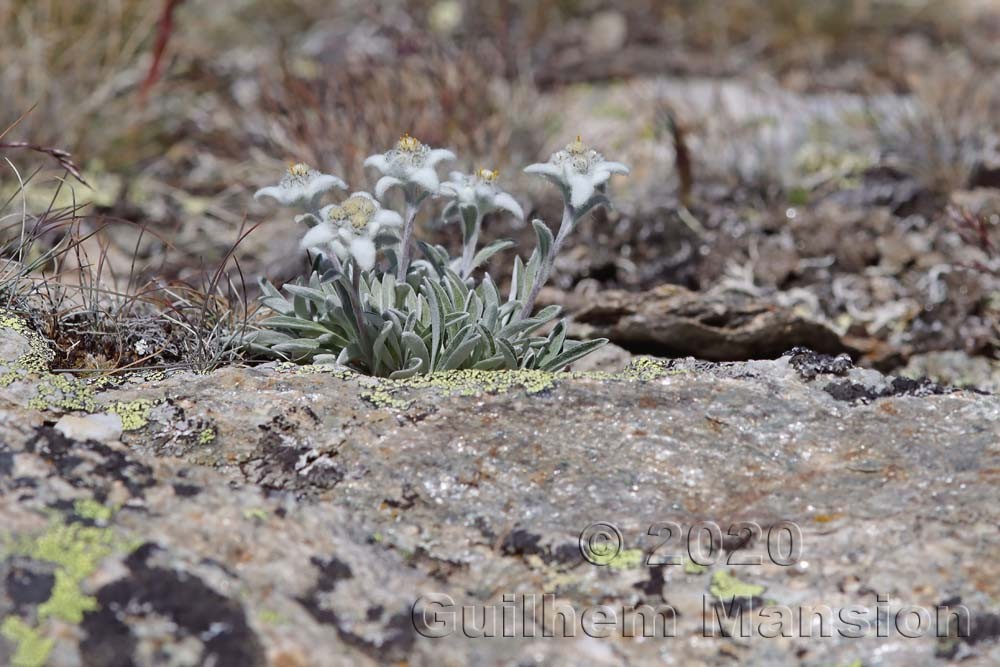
[31,647]
[646,369]
[394,394]
[134,414]
[255,514]
[385,393]
[725,586]
[63,393]
[691,567]
[35,361]
[271,617]
[206,436]
[76,550]
[627,559]
[88,508]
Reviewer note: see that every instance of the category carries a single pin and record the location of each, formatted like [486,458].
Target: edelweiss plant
[403,317]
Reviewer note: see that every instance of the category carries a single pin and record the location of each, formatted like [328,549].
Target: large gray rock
[295,516]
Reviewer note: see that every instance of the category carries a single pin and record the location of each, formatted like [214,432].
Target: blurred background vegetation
[837,156]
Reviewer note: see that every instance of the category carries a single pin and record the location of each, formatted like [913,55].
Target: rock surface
[673,321]
[295,516]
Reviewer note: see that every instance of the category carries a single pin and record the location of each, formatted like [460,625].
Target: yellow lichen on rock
[76,550]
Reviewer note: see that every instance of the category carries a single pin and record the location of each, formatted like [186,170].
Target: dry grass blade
[64,158]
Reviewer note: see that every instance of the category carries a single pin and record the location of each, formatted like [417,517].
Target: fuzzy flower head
[408,163]
[301,187]
[350,228]
[480,192]
[579,170]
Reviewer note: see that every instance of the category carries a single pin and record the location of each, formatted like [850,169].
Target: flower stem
[565,227]
[356,304]
[410,216]
[469,246]
[335,262]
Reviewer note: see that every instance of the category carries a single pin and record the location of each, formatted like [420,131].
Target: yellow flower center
[336,213]
[488,175]
[408,144]
[359,210]
[577,147]
[298,170]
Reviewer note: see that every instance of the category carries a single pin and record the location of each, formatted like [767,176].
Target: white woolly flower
[301,186]
[479,191]
[350,228]
[579,170]
[410,162]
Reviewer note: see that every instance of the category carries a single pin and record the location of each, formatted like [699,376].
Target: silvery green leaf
[516,279]
[325,359]
[489,250]
[415,346]
[455,319]
[469,218]
[436,256]
[413,368]
[444,297]
[423,311]
[515,329]
[457,353]
[490,363]
[474,306]
[388,291]
[264,350]
[509,355]
[544,235]
[268,338]
[554,343]
[531,271]
[547,313]
[411,320]
[380,352]
[571,354]
[268,289]
[437,324]
[332,340]
[490,315]
[296,323]
[278,304]
[307,293]
[298,348]
[301,306]
[507,311]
